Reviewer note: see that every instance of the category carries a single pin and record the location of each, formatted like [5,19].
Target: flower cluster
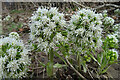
[111,41]
[116,28]
[112,56]
[86,29]
[7,18]
[81,37]
[14,35]
[14,58]
[108,21]
[87,58]
[46,26]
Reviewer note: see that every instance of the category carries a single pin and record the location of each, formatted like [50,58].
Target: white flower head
[53,11]
[14,35]
[115,52]
[113,37]
[52,25]
[80,31]
[56,18]
[7,18]
[62,23]
[109,21]
[13,51]
[45,19]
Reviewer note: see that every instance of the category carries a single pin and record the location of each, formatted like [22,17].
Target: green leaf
[104,62]
[105,70]
[93,58]
[57,65]
[99,57]
[49,68]
[84,67]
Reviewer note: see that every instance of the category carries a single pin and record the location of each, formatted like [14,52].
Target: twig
[75,70]
[90,74]
[43,73]
[105,5]
[98,77]
[36,68]
[34,3]
[80,4]
[110,75]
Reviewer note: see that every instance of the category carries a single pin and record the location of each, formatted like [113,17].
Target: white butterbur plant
[82,38]
[45,24]
[86,37]
[86,28]
[85,32]
[14,59]
[47,28]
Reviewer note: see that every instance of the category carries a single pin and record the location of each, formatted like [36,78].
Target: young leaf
[57,65]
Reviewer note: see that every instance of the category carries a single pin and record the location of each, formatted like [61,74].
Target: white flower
[99,43]
[74,18]
[32,37]
[109,21]
[45,19]
[115,52]
[39,9]
[39,40]
[12,52]
[52,25]
[88,25]
[61,15]
[62,23]
[117,27]
[80,31]
[34,17]
[53,11]
[7,18]
[44,28]
[47,31]
[13,65]
[44,11]
[56,18]
[14,35]
[59,37]
[52,45]
[114,38]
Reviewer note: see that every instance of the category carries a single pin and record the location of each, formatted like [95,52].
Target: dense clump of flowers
[112,56]
[108,21]
[46,28]
[14,35]
[7,18]
[14,58]
[116,29]
[82,36]
[85,29]
[111,41]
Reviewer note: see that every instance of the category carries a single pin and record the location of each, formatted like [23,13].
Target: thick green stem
[50,65]
[78,58]
[51,62]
